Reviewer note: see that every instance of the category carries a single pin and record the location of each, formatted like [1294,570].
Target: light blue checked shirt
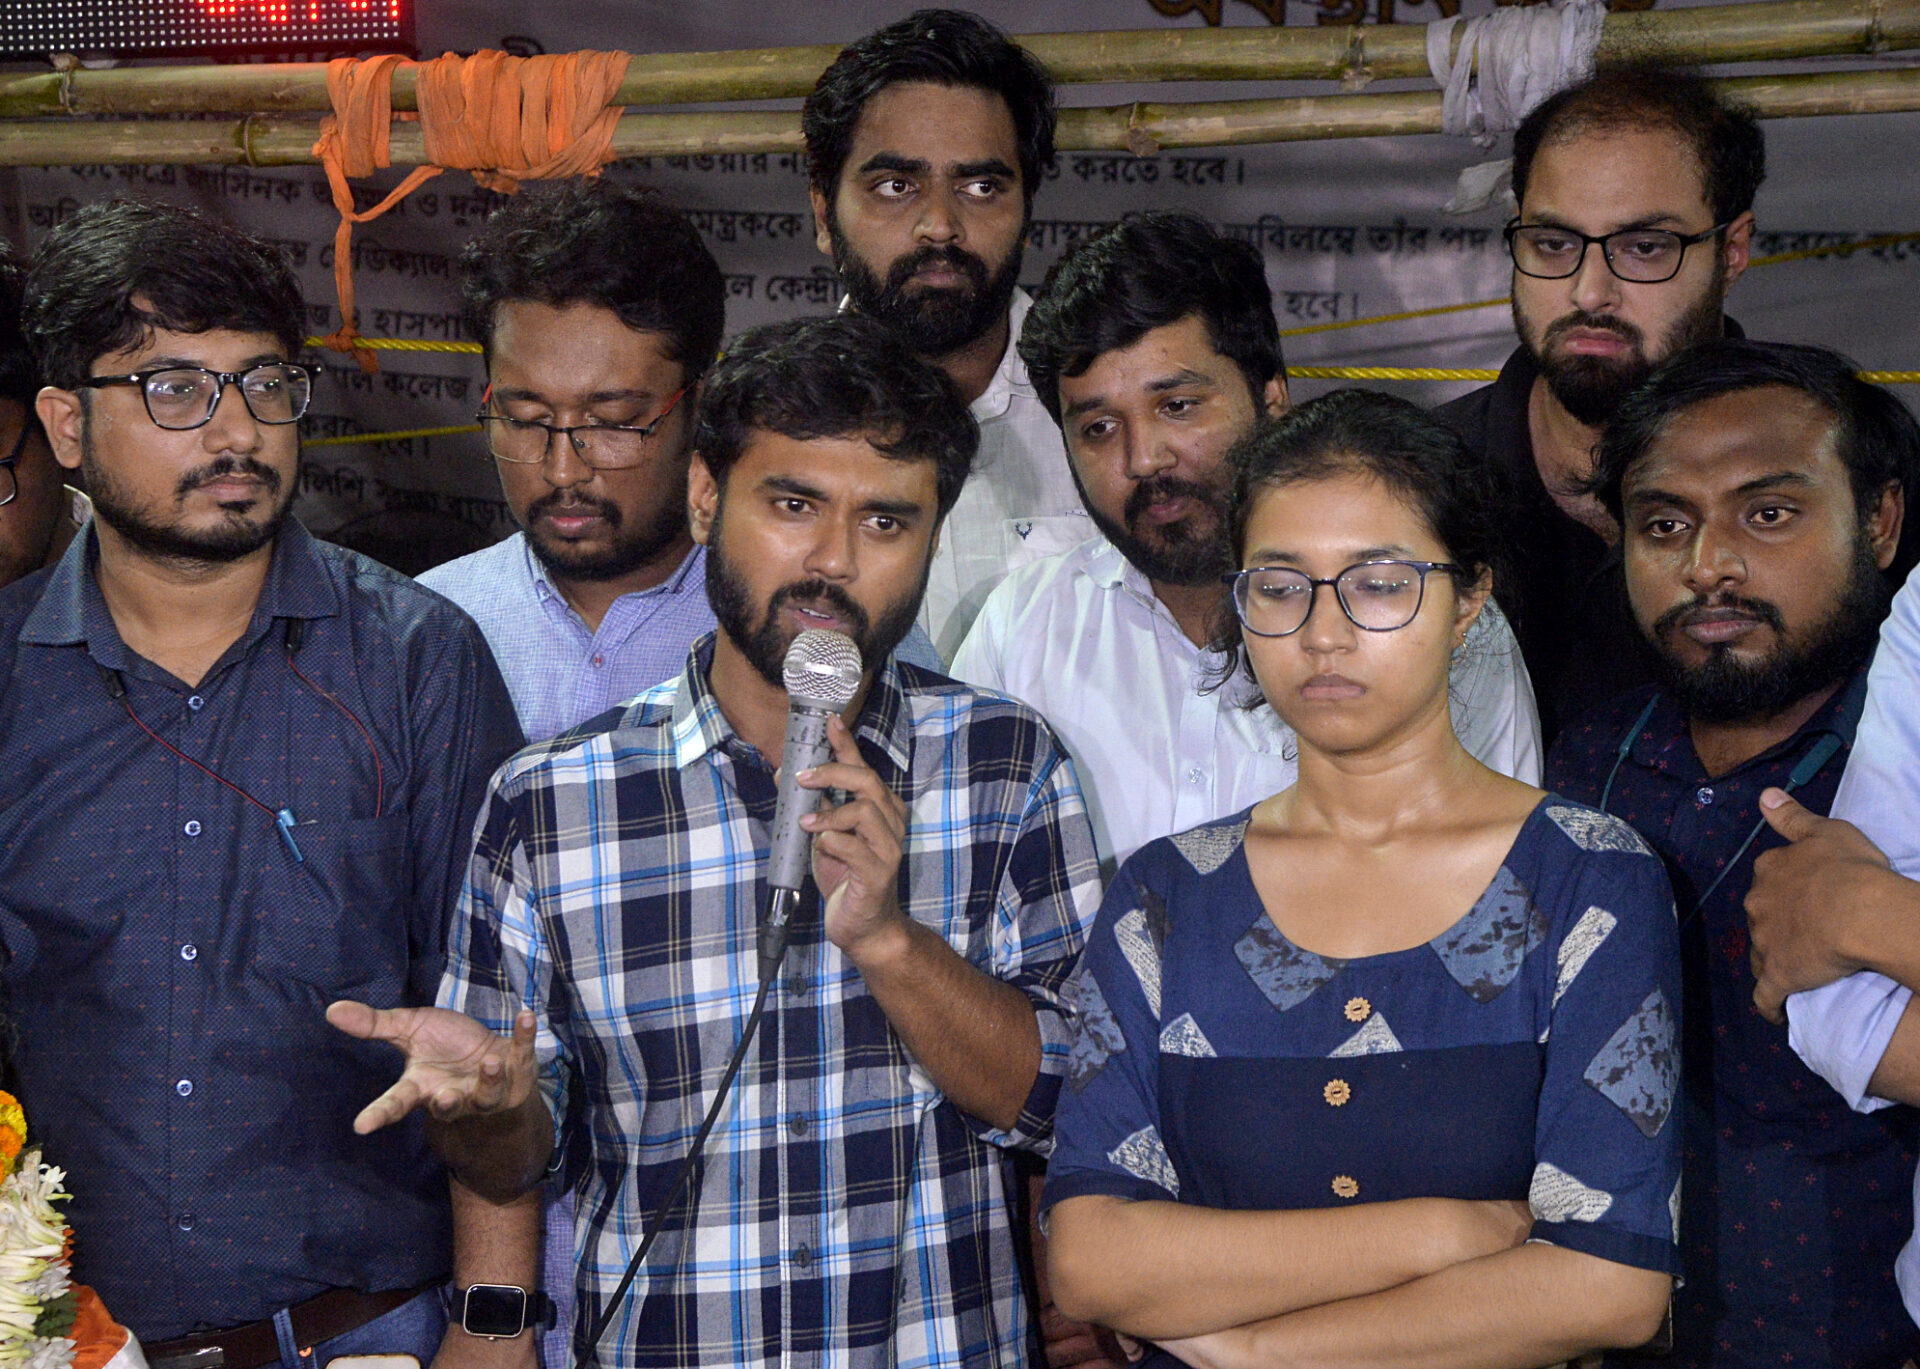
[845,1213]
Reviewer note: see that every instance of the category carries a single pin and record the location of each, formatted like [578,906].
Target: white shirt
[1842,1030]
[1081,637]
[1019,505]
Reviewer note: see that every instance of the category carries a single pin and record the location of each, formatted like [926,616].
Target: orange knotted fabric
[503,118]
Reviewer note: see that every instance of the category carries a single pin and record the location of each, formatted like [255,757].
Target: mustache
[957,258]
[562,501]
[1580,318]
[221,467]
[821,592]
[1157,488]
[1759,609]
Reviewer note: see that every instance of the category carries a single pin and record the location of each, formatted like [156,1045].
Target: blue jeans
[414,1328]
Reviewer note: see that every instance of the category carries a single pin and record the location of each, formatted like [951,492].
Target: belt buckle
[206,1357]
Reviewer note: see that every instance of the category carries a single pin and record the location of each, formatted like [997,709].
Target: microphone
[822,674]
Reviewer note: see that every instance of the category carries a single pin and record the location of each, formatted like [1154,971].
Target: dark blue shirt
[1793,1206]
[168,960]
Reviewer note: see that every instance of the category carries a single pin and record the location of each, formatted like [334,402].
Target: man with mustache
[851,1205]
[242,768]
[926,141]
[1761,489]
[1635,192]
[1154,345]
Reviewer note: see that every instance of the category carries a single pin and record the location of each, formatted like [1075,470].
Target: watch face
[495,1309]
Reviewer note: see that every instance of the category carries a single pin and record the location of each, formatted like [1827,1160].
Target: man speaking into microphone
[850,1206]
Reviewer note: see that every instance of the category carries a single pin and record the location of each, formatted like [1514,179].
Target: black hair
[1416,456]
[116,270]
[942,48]
[1148,271]
[1725,138]
[16,362]
[840,376]
[1875,434]
[592,240]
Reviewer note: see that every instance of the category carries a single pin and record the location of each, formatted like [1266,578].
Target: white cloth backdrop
[1348,228]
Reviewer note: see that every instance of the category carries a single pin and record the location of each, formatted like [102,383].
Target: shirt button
[184,1088]
[196,703]
[184,1221]
[599,661]
[189,951]
[1194,776]
[192,828]
[803,1258]
[1345,1186]
[797,984]
[1358,1009]
[1703,796]
[797,1125]
[1337,1092]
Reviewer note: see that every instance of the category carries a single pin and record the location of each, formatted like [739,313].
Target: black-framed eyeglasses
[1376,596]
[1646,256]
[182,397]
[11,461]
[603,446]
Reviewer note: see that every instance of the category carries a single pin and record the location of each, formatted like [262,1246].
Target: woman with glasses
[1379,1070]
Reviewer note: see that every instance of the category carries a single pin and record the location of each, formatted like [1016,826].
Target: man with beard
[39,515]
[1761,489]
[242,772]
[1153,344]
[926,141]
[851,1204]
[1636,193]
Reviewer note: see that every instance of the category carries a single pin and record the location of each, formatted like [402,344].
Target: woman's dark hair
[16,362]
[115,271]
[1875,434]
[1145,272]
[841,376]
[938,47]
[1409,451]
[594,241]
[1724,138]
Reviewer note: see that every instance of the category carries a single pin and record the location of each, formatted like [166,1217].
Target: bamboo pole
[1141,129]
[1764,31]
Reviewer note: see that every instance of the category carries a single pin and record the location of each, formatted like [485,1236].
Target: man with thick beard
[1635,191]
[242,768]
[926,141]
[1762,490]
[1154,346]
[850,1206]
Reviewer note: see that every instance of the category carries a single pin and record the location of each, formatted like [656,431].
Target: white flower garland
[33,1272]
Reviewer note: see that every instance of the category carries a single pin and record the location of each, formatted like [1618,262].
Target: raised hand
[455,1067]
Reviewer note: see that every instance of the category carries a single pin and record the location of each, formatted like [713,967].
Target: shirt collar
[1010,377]
[693,563]
[72,610]
[701,727]
[1664,744]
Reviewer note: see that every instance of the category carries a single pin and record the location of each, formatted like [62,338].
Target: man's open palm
[455,1067]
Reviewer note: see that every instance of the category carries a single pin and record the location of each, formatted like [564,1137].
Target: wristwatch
[501,1311]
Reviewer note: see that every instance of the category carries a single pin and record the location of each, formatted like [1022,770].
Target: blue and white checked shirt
[845,1212]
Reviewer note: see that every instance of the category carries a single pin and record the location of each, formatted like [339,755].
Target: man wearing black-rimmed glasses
[38,514]
[1635,193]
[242,768]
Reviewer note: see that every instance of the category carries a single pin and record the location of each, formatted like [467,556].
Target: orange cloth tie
[506,119]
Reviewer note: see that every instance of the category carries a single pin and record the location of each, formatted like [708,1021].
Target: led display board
[34,28]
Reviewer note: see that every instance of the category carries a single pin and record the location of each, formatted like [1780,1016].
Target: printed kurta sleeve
[1048,896]
[1606,1177]
[1107,1129]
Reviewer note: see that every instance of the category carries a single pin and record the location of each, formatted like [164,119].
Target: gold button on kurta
[1358,1010]
[1345,1186]
[1337,1092]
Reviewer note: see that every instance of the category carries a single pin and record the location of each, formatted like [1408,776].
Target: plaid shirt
[844,1212]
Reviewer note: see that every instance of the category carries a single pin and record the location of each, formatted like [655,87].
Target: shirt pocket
[345,916]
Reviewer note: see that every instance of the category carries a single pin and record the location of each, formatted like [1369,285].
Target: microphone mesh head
[822,669]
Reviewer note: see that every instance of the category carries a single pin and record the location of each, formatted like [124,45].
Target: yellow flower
[13,1132]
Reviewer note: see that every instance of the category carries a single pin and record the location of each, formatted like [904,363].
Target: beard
[235,536]
[1192,551]
[934,322]
[764,642]
[1726,689]
[1590,388]
[628,549]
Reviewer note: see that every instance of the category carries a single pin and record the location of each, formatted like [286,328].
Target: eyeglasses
[28,423]
[1376,596]
[182,397]
[1645,256]
[603,446]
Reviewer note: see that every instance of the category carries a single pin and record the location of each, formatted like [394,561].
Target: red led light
[302,27]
